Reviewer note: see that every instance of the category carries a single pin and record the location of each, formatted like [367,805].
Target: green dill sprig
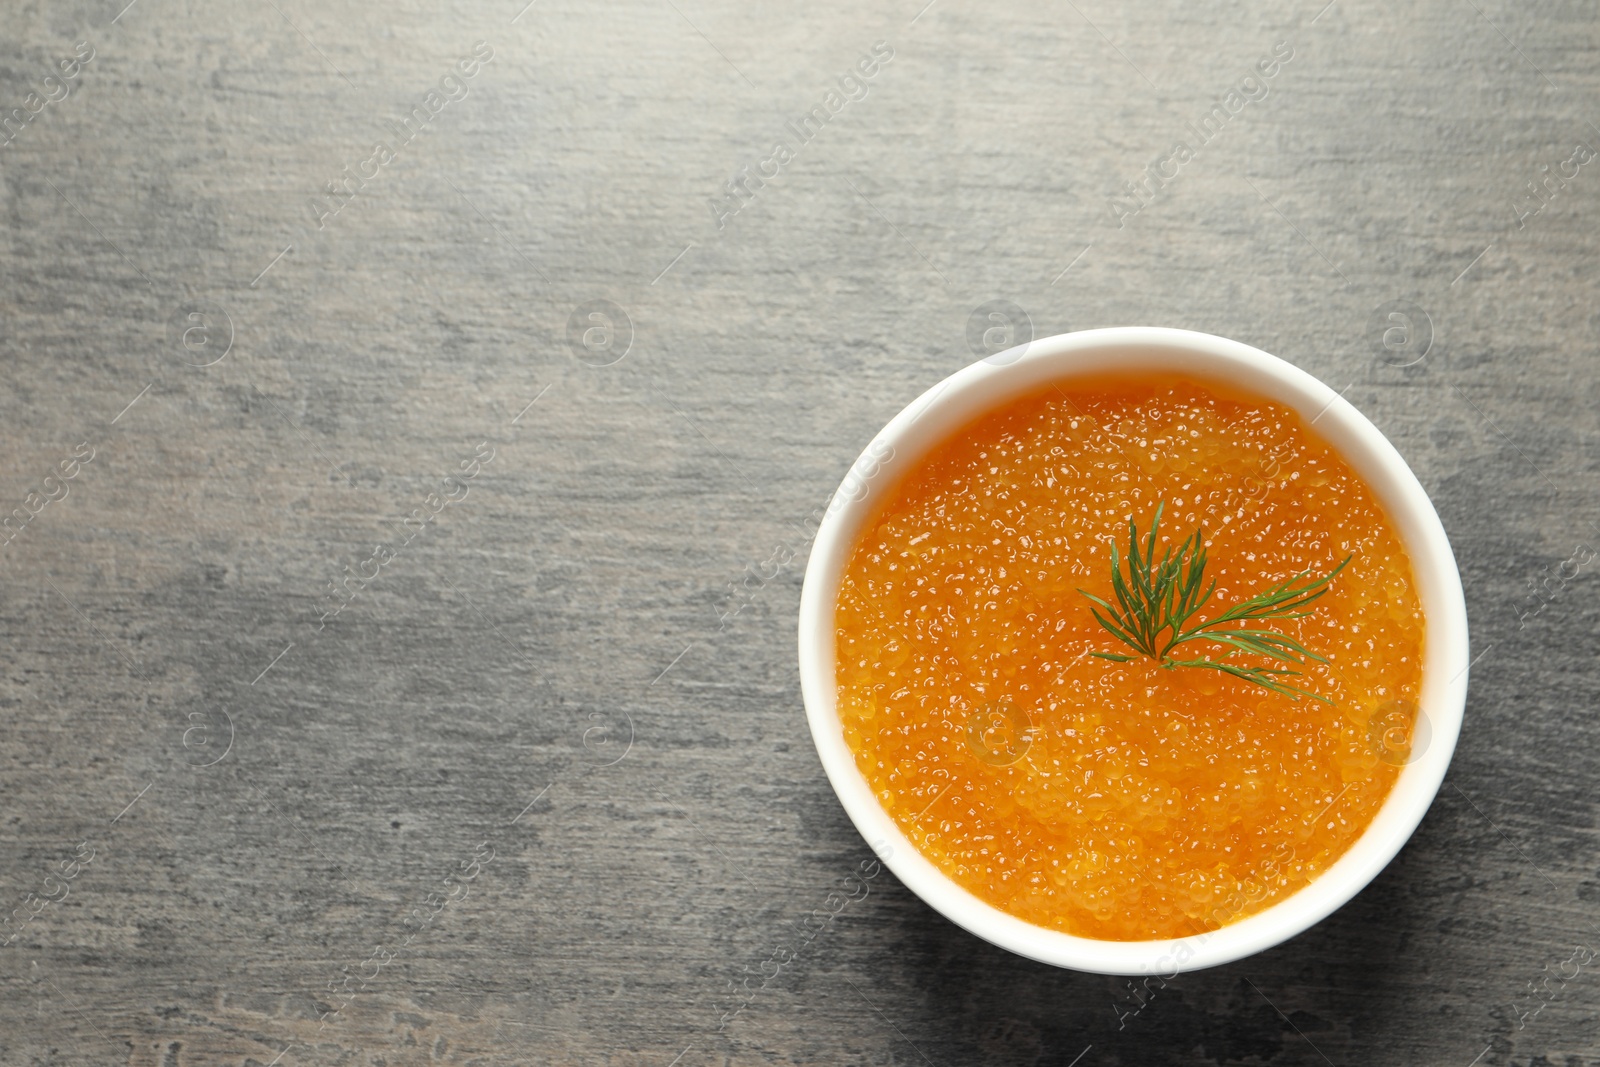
[1157,600]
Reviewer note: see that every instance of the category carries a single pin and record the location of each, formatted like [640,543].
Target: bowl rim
[1206,358]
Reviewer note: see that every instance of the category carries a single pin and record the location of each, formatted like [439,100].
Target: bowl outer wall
[984,386]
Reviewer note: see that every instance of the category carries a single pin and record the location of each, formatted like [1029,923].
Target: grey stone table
[413,417]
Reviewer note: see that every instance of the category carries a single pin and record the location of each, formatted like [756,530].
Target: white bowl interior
[984,386]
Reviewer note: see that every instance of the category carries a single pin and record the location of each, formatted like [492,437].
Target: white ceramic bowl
[989,384]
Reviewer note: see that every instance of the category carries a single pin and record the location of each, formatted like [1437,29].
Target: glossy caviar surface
[1110,800]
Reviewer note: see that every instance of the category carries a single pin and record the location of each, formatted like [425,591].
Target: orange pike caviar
[1123,801]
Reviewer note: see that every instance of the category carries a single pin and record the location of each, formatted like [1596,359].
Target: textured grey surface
[553,672]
